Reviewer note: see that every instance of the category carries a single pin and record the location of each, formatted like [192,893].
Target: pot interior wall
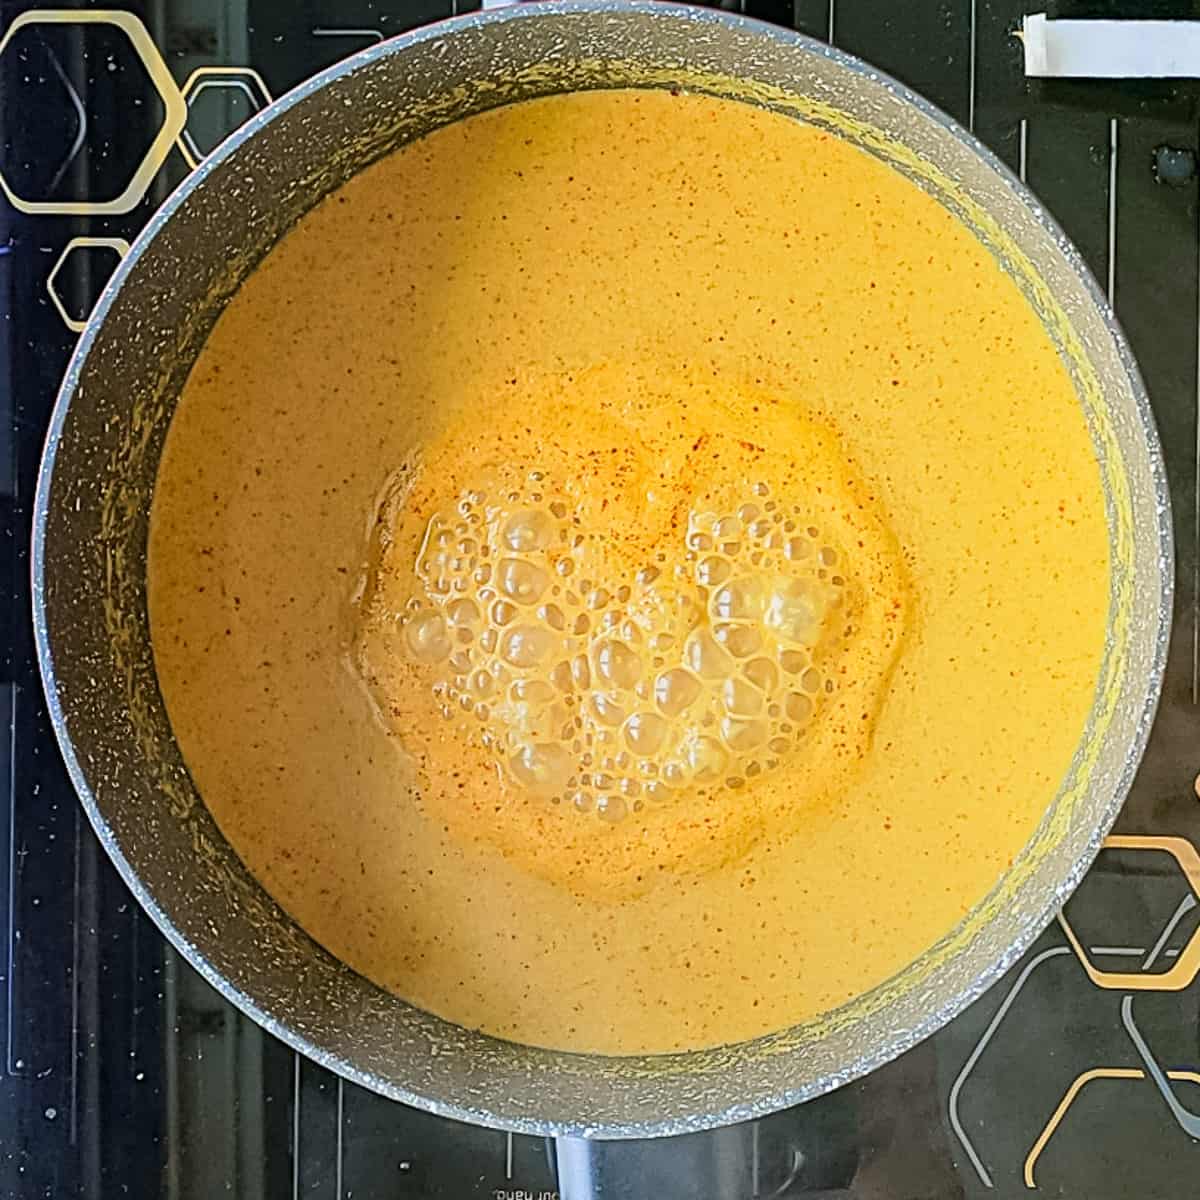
[94,502]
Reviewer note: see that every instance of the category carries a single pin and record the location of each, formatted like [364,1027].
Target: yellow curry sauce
[628,572]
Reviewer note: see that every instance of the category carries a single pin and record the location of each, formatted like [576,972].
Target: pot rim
[672,1124]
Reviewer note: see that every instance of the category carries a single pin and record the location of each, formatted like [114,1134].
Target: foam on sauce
[628,572]
[638,630]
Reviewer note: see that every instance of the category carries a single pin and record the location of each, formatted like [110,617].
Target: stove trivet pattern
[1178,977]
[178,104]
[245,80]
[174,111]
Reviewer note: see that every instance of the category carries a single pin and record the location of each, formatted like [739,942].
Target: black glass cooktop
[123,1074]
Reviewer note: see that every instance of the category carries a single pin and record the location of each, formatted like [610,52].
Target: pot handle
[715,1162]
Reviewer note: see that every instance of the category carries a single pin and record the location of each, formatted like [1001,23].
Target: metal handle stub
[717,1162]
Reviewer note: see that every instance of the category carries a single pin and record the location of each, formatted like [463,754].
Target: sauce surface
[628,572]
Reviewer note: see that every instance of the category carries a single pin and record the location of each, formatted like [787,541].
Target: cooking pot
[98,474]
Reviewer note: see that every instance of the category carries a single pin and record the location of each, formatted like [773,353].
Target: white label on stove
[1133,49]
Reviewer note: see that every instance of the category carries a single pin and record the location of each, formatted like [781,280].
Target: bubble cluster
[604,695]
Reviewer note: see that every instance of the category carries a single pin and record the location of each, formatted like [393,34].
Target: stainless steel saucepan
[93,504]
